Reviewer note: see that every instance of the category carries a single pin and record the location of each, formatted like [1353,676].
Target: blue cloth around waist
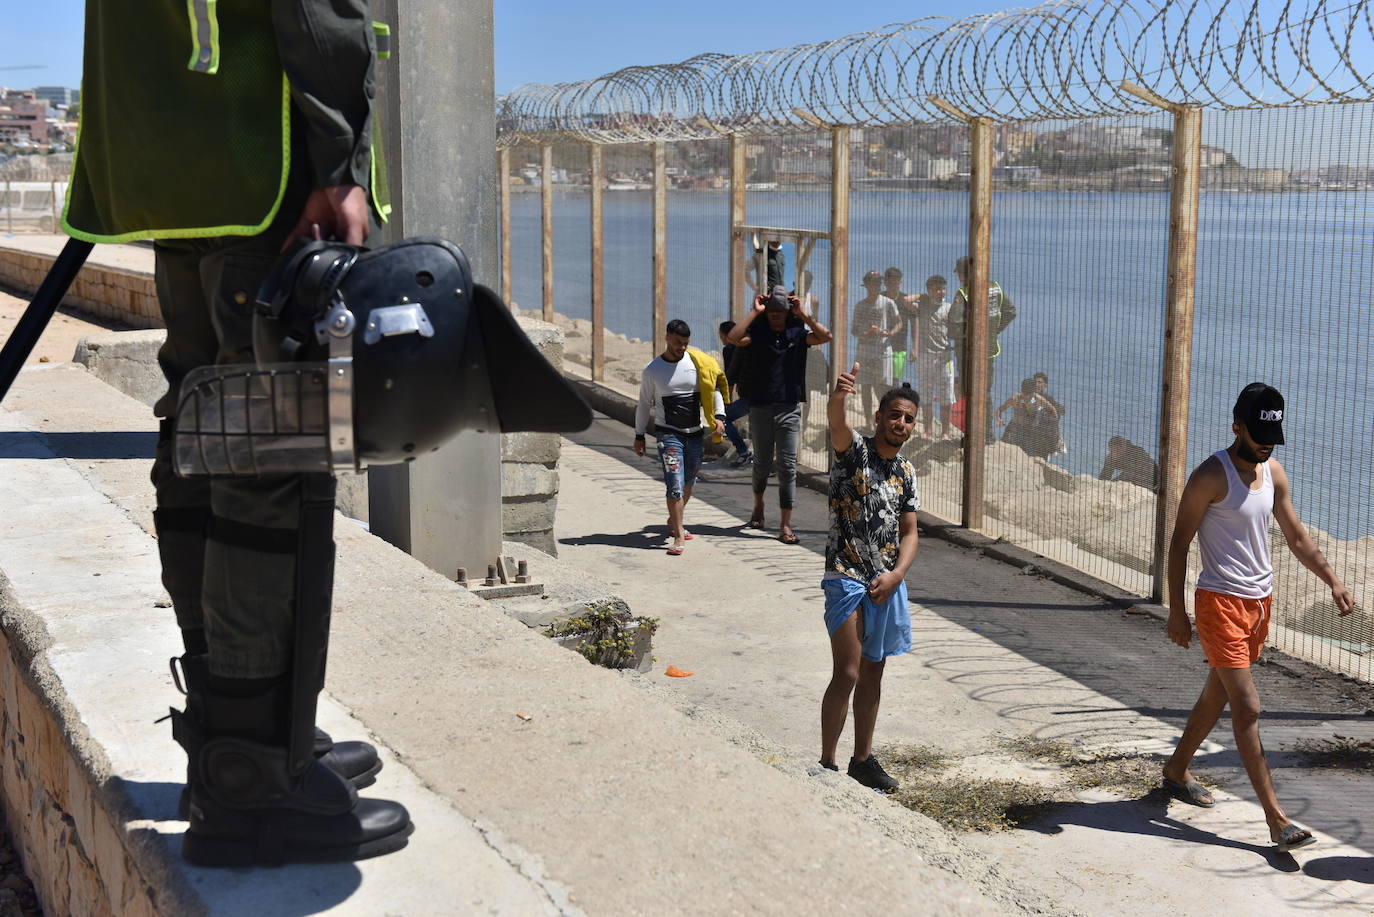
[887,625]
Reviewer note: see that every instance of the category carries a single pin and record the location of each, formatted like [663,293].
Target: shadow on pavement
[130,444]
[1147,816]
[1353,869]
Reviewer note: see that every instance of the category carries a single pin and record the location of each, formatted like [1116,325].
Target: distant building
[23,117]
[923,165]
[57,96]
[1016,174]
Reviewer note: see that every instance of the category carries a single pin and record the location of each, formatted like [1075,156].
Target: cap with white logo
[1260,410]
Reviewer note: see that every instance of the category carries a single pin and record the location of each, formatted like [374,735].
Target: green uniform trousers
[228,545]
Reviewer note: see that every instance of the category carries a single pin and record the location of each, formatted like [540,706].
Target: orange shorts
[1231,629]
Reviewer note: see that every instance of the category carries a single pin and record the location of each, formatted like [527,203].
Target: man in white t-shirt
[670,397]
[1228,504]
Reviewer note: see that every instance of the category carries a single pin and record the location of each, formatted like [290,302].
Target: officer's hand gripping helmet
[368,357]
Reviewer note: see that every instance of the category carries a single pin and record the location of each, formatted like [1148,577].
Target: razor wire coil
[1062,59]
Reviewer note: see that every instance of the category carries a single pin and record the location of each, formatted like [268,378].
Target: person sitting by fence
[1033,422]
[1130,463]
[1055,436]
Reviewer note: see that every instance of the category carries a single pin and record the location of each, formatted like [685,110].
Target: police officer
[224,131]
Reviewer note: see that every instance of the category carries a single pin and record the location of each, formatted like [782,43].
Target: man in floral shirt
[873,503]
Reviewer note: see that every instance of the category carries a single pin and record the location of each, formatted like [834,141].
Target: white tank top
[1234,536]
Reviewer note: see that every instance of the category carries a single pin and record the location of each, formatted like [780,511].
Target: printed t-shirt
[868,495]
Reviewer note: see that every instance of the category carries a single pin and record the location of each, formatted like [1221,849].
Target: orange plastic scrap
[674,672]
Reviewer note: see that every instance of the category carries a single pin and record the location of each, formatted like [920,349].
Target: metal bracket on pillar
[1184,191]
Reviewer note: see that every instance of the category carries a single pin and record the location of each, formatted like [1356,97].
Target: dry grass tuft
[1339,751]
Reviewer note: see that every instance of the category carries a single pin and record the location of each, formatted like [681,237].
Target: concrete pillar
[444,508]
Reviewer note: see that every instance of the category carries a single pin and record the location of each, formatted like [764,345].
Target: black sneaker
[742,459]
[871,774]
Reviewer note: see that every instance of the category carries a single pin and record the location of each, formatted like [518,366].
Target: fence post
[9,209]
[839,250]
[56,226]
[546,224]
[660,243]
[598,268]
[979,364]
[503,167]
[738,176]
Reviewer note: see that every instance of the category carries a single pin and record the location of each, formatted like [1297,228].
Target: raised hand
[844,385]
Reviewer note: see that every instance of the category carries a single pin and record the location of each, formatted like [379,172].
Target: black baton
[40,311]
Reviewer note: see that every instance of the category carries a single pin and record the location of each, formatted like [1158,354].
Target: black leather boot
[356,762]
[248,808]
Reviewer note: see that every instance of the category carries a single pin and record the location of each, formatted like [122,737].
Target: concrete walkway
[997,653]
[608,796]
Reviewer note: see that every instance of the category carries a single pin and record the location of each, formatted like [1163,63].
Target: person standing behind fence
[904,344]
[738,405]
[775,340]
[873,504]
[934,354]
[876,323]
[670,395]
[1001,313]
[1228,504]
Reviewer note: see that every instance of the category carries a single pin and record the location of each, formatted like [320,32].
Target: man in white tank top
[1228,504]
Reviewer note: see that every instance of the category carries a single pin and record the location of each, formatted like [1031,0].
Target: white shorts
[935,378]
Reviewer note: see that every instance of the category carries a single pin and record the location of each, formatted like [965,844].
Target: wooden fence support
[1178,334]
[503,170]
[976,364]
[546,224]
[660,295]
[839,250]
[739,168]
[598,267]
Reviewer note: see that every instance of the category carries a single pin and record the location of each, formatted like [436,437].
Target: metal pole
[598,267]
[546,224]
[975,358]
[35,319]
[503,168]
[1178,334]
[660,243]
[738,168]
[839,250]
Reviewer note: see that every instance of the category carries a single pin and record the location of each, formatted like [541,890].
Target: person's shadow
[1147,816]
[1354,869]
[295,890]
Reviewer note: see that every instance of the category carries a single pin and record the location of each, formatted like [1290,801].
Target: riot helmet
[368,357]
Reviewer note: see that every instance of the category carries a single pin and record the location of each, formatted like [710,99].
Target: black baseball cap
[1260,410]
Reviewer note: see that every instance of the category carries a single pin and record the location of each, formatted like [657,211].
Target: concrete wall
[72,845]
[121,295]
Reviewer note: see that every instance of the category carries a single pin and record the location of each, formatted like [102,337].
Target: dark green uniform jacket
[191,109]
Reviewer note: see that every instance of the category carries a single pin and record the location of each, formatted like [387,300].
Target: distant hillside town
[1087,156]
[38,120]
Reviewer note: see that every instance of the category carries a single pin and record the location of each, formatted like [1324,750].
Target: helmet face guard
[368,358]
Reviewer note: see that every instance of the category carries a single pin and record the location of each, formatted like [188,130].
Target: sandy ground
[58,342]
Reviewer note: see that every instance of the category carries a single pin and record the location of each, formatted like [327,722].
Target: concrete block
[527,479]
[126,360]
[540,541]
[518,516]
[531,447]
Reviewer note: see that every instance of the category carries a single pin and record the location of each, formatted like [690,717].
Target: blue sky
[538,41]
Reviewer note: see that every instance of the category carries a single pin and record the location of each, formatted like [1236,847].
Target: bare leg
[682,520]
[944,421]
[1245,713]
[927,420]
[845,649]
[785,522]
[675,520]
[867,693]
[1201,721]
[757,514]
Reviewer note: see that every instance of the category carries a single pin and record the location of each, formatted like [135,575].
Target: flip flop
[754,523]
[1191,792]
[788,538]
[674,550]
[1291,837]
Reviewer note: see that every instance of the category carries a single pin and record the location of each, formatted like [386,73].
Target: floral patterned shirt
[868,495]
